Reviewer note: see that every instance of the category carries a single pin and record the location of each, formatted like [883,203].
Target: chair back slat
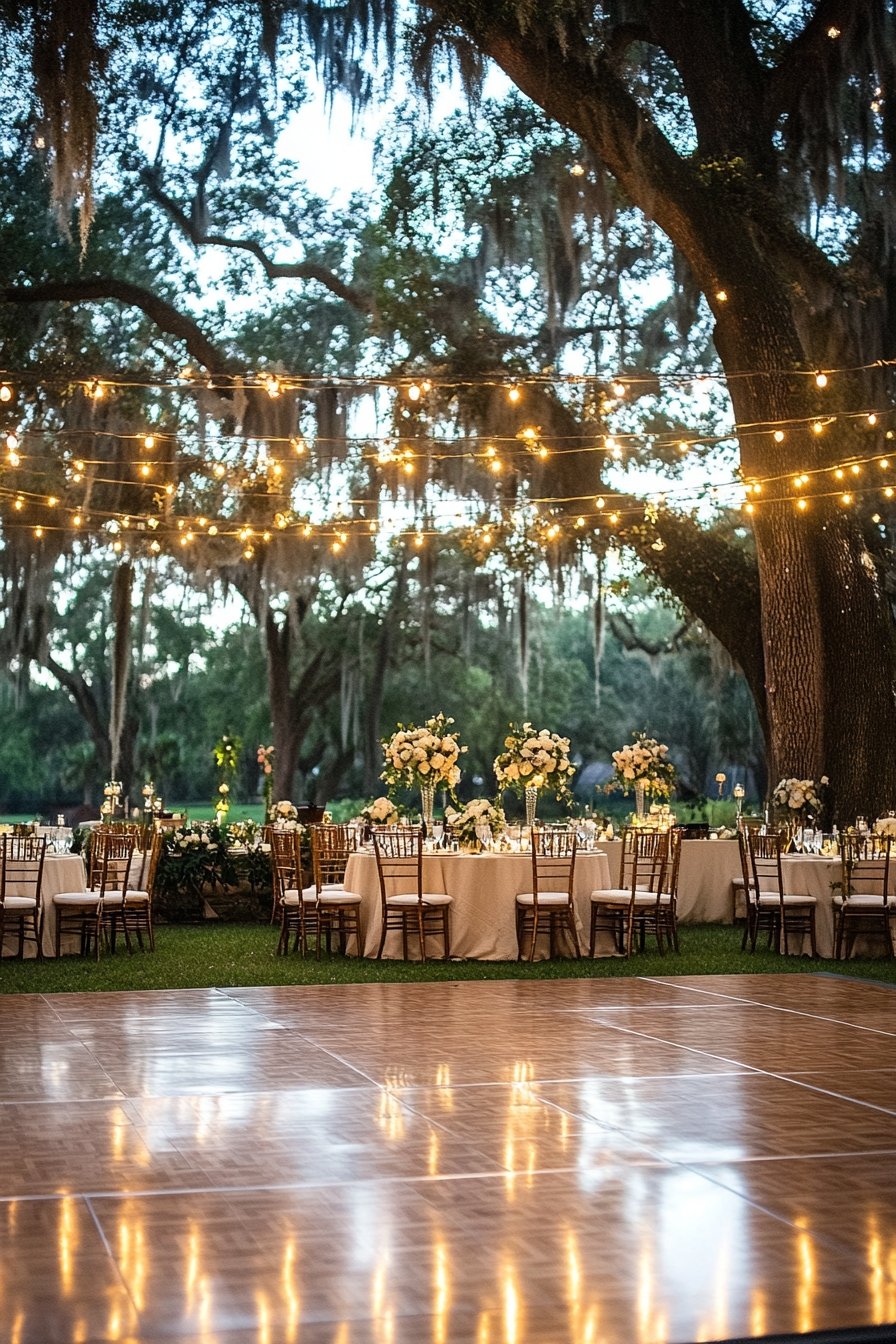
[399,860]
[285,862]
[22,865]
[111,854]
[645,866]
[332,846]
[766,849]
[865,866]
[553,860]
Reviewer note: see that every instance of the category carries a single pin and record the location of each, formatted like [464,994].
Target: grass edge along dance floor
[224,954]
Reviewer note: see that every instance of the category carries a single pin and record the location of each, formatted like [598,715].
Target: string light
[6,392]
[821,379]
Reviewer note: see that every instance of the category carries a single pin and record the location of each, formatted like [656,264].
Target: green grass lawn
[222,954]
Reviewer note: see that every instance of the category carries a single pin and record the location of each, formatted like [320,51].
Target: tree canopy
[675,225]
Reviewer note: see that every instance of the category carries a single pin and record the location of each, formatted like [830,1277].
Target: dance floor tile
[624,1161]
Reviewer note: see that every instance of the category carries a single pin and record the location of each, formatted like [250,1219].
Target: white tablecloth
[705,875]
[65,872]
[812,875]
[484,888]
[62,872]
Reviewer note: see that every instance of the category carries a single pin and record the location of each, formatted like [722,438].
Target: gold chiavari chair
[21,874]
[404,905]
[795,911]
[338,910]
[93,913]
[657,913]
[642,869]
[866,902]
[548,907]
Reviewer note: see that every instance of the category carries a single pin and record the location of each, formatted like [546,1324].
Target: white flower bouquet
[644,761]
[282,813]
[797,795]
[534,760]
[885,825]
[381,812]
[423,757]
[480,818]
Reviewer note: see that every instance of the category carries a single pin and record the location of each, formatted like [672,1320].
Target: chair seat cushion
[20,903]
[339,896]
[620,895]
[544,898]
[86,898]
[771,898]
[865,900]
[309,894]
[645,899]
[410,899]
[137,897]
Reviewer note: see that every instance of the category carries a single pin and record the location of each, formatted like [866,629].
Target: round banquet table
[484,888]
[812,875]
[62,872]
[705,876]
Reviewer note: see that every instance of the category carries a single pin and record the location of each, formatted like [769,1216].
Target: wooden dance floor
[492,1162]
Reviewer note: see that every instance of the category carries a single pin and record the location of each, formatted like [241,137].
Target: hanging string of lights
[161,453]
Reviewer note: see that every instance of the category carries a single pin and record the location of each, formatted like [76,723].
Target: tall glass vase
[531,804]
[640,801]
[427,798]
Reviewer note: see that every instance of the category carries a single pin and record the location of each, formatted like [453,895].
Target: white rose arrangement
[468,825]
[534,759]
[283,813]
[644,761]
[417,757]
[797,795]
[381,812]
[885,826]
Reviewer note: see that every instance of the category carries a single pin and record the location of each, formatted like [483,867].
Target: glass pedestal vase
[640,801]
[427,798]
[531,804]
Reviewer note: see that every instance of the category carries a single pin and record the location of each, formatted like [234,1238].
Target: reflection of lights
[758,1313]
[67,1242]
[263,1317]
[510,1303]
[806,1286]
[290,1294]
[390,1115]
[432,1162]
[441,1282]
[722,1276]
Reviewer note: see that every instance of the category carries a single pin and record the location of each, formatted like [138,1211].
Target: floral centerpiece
[222,801]
[425,758]
[381,812]
[643,766]
[534,760]
[797,801]
[480,815]
[284,814]
[265,758]
[797,797]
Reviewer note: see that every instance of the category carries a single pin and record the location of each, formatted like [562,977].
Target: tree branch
[812,52]
[98,288]
[274,270]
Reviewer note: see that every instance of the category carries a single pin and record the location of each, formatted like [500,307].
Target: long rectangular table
[484,888]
